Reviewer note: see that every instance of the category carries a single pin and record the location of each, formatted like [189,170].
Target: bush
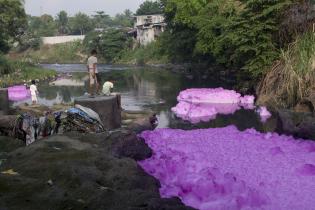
[291,78]
[29,41]
[110,44]
[6,66]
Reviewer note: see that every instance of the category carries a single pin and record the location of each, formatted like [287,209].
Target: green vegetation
[110,44]
[60,53]
[149,54]
[12,23]
[150,8]
[20,72]
[79,24]
[236,34]
[292,77]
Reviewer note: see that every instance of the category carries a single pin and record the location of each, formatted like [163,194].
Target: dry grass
[292,77]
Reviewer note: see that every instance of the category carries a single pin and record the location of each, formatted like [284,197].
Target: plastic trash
[10,172]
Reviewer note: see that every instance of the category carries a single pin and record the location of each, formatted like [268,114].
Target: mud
[76,171]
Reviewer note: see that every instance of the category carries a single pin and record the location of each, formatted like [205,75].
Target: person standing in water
[93,73]
[34,92]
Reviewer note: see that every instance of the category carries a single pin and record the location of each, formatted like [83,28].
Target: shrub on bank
[292,77]
[150,54]
[12,73]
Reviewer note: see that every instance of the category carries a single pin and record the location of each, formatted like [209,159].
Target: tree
[102,20]
[12,23]
[149,8]
[62,22]
[81,24]
[42,26]
[124,19]
[110,44]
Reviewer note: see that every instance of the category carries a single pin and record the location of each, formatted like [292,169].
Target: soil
[76,171]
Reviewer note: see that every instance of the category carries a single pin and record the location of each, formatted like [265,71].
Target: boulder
[108,108]
[126,144]
[299,124]
[4,101]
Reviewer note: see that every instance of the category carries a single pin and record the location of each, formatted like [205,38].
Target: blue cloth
[81,113]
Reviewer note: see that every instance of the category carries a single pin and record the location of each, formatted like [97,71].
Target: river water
[146,88]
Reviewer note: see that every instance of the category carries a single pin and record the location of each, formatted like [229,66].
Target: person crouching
[107,88]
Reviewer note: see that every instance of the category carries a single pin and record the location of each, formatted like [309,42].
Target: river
[146,88]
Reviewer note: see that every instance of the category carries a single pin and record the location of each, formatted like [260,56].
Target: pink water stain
[18,93]
[203,105]
[224,168]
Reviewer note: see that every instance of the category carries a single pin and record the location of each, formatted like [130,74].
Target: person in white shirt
[34,92]
[107,87]
[93,73]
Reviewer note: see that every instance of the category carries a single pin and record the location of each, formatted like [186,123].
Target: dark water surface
[144,88]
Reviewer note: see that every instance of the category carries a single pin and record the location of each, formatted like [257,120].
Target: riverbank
[21,72]
[80,172]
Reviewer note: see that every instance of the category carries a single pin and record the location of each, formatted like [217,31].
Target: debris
[50,182]
[10,172]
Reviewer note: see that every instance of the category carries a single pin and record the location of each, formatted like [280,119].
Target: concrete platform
[108,107]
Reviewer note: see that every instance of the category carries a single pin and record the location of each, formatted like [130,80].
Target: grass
[60,53]
[143,55]
[292,77]
[21,72]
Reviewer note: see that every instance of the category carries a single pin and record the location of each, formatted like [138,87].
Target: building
[148,28]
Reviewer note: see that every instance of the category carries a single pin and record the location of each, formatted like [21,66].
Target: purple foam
[18,93]
[264,113]
[197,105]
[225,168]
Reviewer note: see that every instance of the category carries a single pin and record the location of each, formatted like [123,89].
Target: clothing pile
[82,119]
[29,128]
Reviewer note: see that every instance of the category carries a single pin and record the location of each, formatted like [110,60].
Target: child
[107,87]
[34,92]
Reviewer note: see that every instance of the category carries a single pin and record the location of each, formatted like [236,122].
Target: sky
[52,7]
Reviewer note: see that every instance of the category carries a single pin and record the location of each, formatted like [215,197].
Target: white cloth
[34,98]
[33,89]
[90,63]
[107,87]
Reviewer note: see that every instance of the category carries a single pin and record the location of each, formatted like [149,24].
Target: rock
[50,182]
[128,145]
[299,124]
[4,101]
[304,106]
[311,97]
[85,177]
[108,108]
[144,124]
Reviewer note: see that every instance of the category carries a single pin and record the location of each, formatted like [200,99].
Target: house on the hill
[148,28]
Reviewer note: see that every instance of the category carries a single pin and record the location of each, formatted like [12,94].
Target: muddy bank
[77,171]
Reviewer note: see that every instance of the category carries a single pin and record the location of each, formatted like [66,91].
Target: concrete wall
[61,39]
[148,34]
[149,19]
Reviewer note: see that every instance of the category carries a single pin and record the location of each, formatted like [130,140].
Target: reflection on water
[145,88]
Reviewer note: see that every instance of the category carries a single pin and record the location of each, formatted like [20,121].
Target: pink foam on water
[196,105]
[196,113]
[264,113]
[225,168]
[209,95]
[18,93]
